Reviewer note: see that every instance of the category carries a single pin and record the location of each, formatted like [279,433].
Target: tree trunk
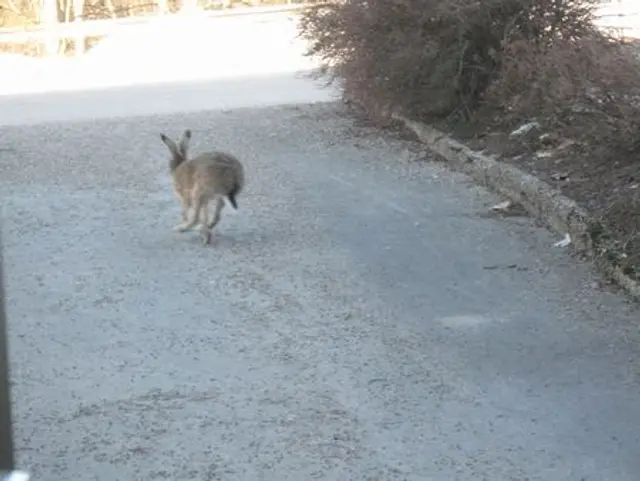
[189,6]
[78,12]
[163,6]
[49,17]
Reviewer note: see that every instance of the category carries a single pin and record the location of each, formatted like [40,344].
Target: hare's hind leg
[217,212]
[184,212]
[205,230]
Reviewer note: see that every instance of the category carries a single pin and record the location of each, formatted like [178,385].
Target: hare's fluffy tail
[230,198]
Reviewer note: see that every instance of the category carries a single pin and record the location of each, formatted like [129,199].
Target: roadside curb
[546,204]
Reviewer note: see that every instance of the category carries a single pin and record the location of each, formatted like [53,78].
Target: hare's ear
[171,144]
[184,142]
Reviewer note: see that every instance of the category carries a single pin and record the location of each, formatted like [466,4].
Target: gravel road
[359,318]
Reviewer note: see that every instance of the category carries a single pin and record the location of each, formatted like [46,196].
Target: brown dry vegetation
[479,69]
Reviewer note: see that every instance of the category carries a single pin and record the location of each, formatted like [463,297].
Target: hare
[212,176]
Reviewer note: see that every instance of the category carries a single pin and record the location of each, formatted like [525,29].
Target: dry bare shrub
[433,57]
[587,87]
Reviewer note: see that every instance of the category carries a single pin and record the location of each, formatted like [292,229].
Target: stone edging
[541,201]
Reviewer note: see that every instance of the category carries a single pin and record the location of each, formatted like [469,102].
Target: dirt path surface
[358,319]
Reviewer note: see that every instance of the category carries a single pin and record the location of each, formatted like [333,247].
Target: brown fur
[209,177]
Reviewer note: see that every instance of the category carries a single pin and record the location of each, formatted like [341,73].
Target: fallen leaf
[524,129]
[502,205]
[564,242]
[565,144]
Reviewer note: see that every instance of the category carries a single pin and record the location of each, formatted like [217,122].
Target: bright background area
[170,48]
[174,63]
